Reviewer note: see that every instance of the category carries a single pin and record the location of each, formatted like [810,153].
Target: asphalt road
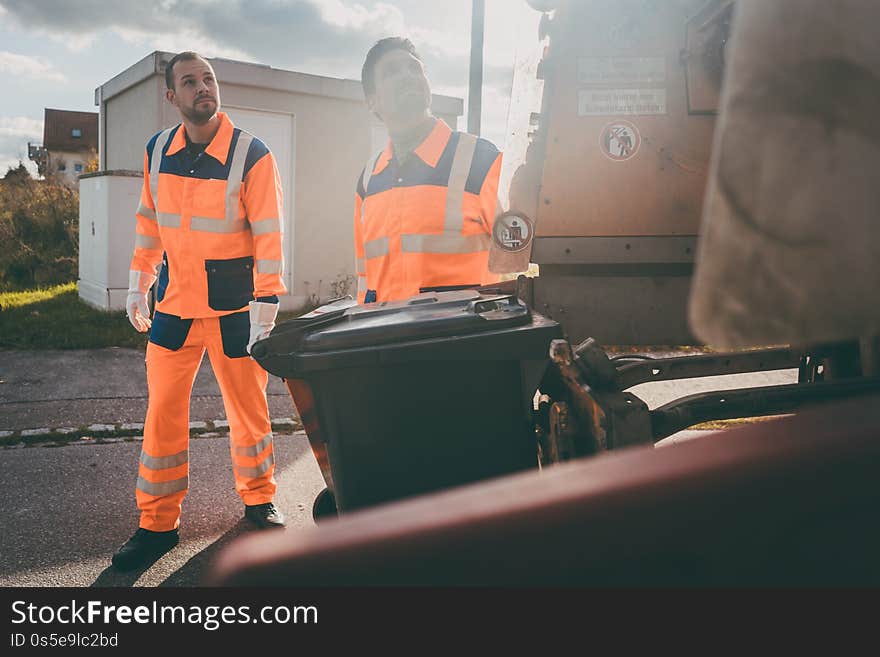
[65,511]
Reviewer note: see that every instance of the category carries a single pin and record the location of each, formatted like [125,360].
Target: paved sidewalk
[71,391]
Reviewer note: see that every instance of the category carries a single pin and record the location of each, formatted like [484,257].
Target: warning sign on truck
[610,102]
[512,231]
[620,140]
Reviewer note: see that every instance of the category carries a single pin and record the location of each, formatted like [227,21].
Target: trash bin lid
[463,325]
[428,315]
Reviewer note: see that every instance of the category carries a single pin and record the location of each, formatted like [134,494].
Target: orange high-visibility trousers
[163,474]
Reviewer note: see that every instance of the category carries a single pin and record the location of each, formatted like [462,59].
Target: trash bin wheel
[324,506]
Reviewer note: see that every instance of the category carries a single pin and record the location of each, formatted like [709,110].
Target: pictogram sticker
[512,232]
[620,140]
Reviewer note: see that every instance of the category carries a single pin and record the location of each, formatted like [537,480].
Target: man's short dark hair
[184,56]
[368,72]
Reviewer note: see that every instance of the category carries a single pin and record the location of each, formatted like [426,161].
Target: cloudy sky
[54,53]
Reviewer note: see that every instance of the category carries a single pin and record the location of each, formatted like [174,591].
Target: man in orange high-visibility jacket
[209,228]
[426,205]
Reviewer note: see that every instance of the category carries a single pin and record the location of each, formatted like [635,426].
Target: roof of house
[60,128]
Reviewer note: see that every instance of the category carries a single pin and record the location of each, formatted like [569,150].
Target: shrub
[39,231]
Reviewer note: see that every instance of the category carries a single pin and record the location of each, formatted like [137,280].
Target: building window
[62,166]
[76,132]
[78,167]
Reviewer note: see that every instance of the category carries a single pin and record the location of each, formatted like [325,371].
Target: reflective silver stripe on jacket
[168,219]
[270,267]
[254,472]
[147,213]
[233,182]
[236,173]
[376,248]
[162,488]
[265,226]
[146,242]
[458,175]
[360,265]
[254,450]
[362,284]
[209,225]
[444,243]
[156,161]
[368,173]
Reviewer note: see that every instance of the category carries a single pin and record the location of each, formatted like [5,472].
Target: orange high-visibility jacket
[217,219]
[427,223]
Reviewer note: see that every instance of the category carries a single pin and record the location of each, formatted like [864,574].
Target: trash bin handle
[491,302]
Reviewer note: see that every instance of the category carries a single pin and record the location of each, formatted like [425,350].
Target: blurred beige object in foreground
[790,241]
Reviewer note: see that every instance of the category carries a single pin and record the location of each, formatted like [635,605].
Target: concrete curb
[119,432]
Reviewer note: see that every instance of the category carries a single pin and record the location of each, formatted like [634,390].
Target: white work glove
[262,321]
[139,284]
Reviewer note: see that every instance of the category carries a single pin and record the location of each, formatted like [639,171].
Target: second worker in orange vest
[425,206]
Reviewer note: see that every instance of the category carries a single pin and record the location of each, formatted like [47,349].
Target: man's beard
[411,105]
[200,116]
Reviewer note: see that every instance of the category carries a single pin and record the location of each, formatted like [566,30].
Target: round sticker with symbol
[512,231]
[620,140]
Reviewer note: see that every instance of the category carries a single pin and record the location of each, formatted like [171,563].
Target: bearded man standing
[209,234]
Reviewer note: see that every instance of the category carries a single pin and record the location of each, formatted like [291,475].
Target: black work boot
[144,548]
[264,516]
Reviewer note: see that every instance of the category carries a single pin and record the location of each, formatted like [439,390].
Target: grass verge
[56,318]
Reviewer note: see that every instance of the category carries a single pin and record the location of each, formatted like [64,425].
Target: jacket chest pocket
[230,283]
[208,199]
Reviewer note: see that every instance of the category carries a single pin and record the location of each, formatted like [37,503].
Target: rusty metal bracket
[593,417]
